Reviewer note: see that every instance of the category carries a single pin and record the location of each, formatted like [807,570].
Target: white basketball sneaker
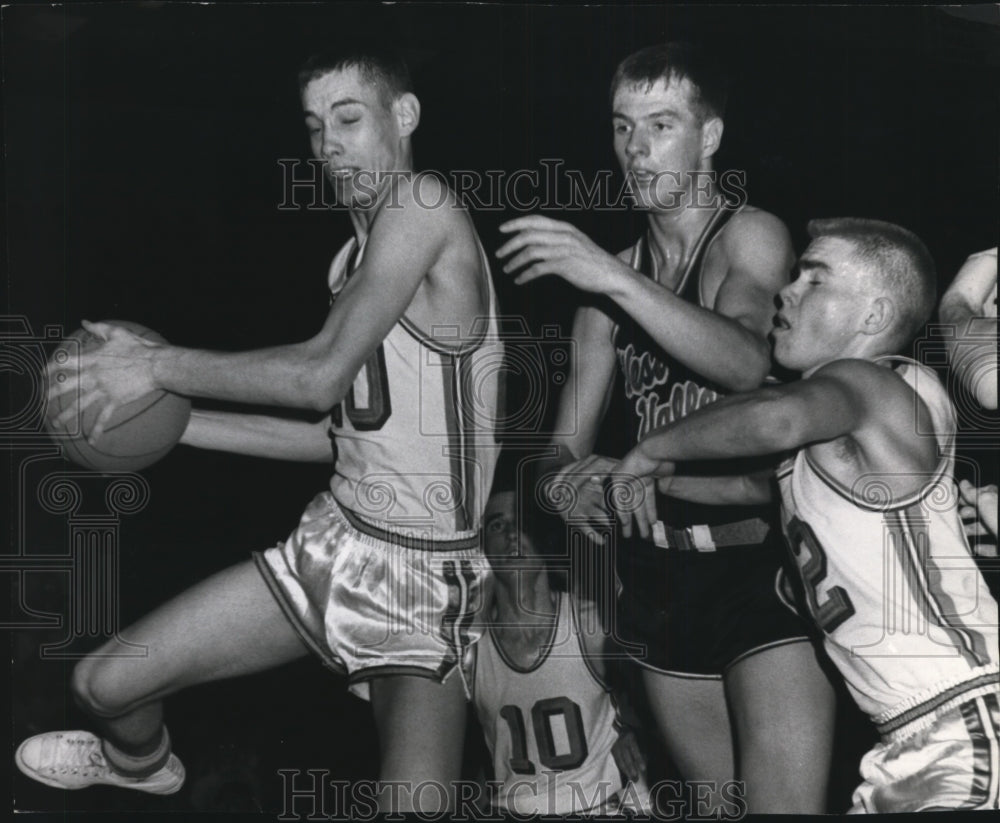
[74,760]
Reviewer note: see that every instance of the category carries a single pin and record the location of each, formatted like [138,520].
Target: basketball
[137,434]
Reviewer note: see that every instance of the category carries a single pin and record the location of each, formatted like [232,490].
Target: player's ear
[407,111]
[880,315]
[711,136]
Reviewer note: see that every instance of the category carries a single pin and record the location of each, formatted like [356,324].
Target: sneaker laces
[74,753]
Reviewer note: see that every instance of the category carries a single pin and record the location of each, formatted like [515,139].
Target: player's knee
[94,688]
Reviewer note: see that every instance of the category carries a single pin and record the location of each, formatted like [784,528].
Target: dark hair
[678,61]
[515,474]
[897,258]
[381,67]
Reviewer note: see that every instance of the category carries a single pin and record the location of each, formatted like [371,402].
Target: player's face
[659,141]
[355,135]
[504,543]
[823,308]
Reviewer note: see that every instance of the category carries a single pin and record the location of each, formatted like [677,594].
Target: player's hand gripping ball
[137,434]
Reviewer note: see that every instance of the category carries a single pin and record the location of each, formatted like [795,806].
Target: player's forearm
[721,349]
[748,425]
[972,349]
[288,376]
[743,490]
[258,436]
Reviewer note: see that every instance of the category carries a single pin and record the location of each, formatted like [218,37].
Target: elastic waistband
[408,541]
[917,718]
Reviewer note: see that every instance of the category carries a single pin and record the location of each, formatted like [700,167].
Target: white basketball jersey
[416,434]
[905,613]
[549,728]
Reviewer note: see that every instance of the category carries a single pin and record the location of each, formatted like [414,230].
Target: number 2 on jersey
[545,716]
[838,606]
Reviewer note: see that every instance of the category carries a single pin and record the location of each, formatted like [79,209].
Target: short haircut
[381,67]
[898,259]
[678,61]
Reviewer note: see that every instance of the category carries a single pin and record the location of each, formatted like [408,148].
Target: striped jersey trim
[545,650]
[912,547]
[982,724]
[856,499]
[480,330]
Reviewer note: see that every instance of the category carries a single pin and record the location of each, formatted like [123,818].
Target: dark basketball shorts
[696,613]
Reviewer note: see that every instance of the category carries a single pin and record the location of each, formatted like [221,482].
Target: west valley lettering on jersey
[644,373]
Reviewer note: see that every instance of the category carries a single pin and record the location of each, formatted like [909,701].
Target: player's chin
[782,350]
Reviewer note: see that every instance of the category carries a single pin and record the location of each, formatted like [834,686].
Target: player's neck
[674,233]
[861,350]
[523,596]
[363,217]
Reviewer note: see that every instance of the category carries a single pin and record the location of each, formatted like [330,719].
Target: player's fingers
[967,512]
[985,550]
[60,381]
[537,270]
[75,410]
[101,330]
[975,529]
[535,221]
[529,254]
[649,503]
[593,534]
[102,420]
[967,491]
[529,238]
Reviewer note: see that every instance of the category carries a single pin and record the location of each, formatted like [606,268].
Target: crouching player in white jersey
[384,575]
[871,512]
[552,725]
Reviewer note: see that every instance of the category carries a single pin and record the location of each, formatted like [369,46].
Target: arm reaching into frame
[315,374]
[259,436]
[727,343]
[970,306]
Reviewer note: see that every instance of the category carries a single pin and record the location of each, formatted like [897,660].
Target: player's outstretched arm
[582,406]
[258,435]
[734,490]
[728,345]
[772,420]
[972,350]
[405,242]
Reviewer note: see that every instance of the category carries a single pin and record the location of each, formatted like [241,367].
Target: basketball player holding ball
[351,570]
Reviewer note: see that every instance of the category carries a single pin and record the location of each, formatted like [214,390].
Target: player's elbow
[318,389]
[747,379]
[749,372]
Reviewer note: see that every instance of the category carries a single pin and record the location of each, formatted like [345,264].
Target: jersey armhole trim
[584,654]
[483,329]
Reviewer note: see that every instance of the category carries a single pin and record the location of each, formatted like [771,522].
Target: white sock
[144,765]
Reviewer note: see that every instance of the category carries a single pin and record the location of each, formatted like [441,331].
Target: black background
[141,148]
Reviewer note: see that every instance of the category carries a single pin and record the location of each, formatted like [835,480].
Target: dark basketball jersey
[660,389]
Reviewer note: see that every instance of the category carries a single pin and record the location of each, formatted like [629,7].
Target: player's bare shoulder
[454,288]
[753,244]
[887,438]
